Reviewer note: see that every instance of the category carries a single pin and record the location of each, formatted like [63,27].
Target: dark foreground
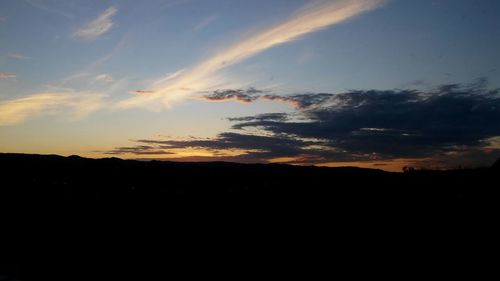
[71,218]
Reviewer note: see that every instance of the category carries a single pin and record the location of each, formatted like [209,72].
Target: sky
[371,83]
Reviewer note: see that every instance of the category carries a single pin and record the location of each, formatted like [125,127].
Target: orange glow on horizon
[394,165]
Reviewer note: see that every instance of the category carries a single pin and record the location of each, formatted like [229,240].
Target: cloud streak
[6,76]
[98,26]
[18,110]
[40,5]
[104,78]
[205,22]
[316,16]
[17,56]
[137,150]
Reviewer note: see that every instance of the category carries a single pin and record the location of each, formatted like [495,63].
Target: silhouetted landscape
[51,179]
[47,199]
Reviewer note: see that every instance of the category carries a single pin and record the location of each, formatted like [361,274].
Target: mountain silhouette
[496,165]
[74,218]
[30,179]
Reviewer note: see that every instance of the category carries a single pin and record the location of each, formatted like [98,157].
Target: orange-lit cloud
[203,76]
[17,110]
[292,102]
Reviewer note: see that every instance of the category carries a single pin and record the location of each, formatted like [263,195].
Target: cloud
[261,147]
[17,56]
[301,101]
[98,26]
[205,22]
[104,78]
[5,76]
[137,150]
[397,123]
[315,16]
[244,96]
[261,117]
[450,125]
[79,104]
[40,5]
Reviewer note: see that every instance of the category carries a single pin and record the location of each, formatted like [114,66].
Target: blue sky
[83,77]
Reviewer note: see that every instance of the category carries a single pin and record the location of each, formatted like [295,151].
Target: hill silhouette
[63,205]
[496,165]
[58,180]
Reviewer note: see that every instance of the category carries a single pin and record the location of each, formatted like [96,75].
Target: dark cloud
[261,117]
[449,124]
[137,150]
[262,146]
[235,159]
[241,95]
[398,123]
[301,101]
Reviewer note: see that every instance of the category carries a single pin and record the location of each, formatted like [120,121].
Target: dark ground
[72,218]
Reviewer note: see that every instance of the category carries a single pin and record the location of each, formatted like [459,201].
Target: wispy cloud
[17,56]
[6,75]
[205,22]
[98,26]
[104,78]
[79,105]
[316,16]
[91,69]
[44,7]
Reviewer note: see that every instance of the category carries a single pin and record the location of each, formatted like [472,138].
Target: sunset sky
[370,83]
